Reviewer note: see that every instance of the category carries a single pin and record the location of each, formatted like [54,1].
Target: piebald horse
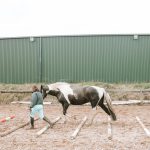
[77,95]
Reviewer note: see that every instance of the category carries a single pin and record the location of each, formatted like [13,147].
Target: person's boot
[32,122]
[48,121]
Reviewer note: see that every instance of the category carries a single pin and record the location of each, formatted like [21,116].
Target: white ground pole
[73,136]
[143,126]
[110,134]
[24,102]
[47,127]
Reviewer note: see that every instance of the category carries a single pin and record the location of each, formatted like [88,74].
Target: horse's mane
[58,85]
[61,83]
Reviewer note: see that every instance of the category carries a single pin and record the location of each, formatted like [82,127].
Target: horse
[69,94]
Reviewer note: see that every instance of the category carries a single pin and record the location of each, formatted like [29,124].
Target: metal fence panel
[106,58]
[19,60]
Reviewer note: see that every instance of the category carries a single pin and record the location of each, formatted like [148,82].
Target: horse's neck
[54,93]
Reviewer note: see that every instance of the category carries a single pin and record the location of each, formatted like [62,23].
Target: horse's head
[43,90]
[51,89]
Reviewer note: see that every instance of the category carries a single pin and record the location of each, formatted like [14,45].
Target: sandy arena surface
[127,132]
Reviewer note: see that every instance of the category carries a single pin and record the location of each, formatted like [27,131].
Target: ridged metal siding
[107,58]
[19,60]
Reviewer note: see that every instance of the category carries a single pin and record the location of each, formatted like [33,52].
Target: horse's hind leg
[101,104]
[104,108]
[108,111]
[112,114]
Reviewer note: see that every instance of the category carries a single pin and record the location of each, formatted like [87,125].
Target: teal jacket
[36,99]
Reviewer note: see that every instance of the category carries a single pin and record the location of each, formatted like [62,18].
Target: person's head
[34,88]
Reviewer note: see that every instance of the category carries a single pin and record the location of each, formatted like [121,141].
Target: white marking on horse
[100,92]
[63,87]
[66,90]
[94,108]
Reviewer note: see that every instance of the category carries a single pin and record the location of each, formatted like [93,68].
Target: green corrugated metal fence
[19,61]
[106,58]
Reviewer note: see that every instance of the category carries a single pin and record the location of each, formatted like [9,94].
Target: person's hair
[35,88]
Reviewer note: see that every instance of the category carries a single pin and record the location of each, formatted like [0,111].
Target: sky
[20,18]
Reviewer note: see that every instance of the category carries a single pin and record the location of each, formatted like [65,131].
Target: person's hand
[29,109]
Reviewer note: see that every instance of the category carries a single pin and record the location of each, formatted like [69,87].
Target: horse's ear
[41,88]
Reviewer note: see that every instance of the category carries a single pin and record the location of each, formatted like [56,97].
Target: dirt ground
[127,132]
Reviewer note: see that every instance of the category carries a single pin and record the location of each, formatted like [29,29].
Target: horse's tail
[109,104]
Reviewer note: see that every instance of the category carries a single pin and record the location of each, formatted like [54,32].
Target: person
[36,106]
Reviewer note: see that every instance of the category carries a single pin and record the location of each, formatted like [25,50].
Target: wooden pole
[109,128]
[15,91]
[47,127]
[130,102]
[24,102]
[16,128]
[73,136]
[111,90]
[143,126]
[126,90]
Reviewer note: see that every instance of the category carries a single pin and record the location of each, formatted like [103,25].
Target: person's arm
[33,100]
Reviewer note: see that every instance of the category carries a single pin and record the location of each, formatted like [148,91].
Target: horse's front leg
[93,112]
[65,107]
